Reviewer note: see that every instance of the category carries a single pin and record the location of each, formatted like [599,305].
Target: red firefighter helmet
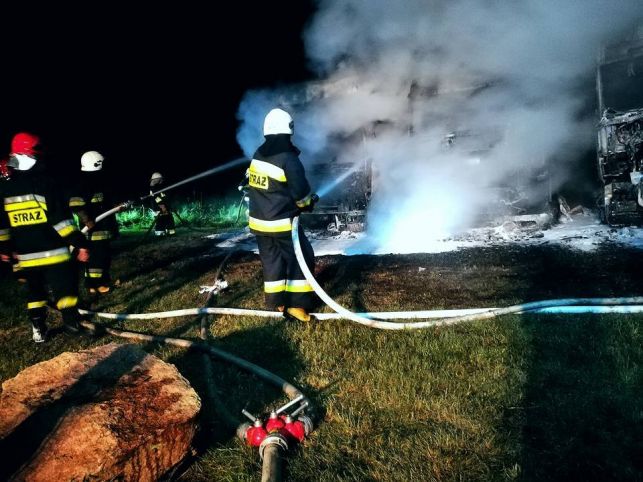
[25,143]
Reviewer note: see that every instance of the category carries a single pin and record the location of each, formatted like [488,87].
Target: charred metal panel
[620,130]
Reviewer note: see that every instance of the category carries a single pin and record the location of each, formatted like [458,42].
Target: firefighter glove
[308,203]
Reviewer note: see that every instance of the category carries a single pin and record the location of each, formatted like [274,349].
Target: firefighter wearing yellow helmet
[278,191]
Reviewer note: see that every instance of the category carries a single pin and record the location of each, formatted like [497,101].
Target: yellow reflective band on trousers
[100,235]
[4,235]
[36,304]
[66,302]
[274,286]
[298,286]
[276,226]
[94,273]
[44,258]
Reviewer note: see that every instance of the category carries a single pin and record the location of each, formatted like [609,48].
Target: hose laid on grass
[489,313]
[562,306]
[289,389]
[185,312]
[219,407]
[376,319]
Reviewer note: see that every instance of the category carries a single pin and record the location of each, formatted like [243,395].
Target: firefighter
[278,191]
[90,197]
[5,175]
[164,220]
[37,229]
[5,169]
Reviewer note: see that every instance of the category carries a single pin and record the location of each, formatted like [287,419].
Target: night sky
[153,89]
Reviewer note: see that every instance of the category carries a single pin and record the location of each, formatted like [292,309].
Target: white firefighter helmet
[91,161]
[277,121]
[156,178]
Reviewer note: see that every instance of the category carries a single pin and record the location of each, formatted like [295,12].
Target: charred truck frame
[345,206]
[619,86]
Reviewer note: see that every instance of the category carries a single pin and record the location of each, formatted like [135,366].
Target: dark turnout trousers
[62,280]
[284,283]
[99,263]
[164,223]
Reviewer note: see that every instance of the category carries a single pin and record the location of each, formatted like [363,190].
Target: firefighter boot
[39,329]
[70,322]
[38,318]
[298,314]
[100,288]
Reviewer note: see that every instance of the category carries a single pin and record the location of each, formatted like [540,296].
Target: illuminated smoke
[512,79]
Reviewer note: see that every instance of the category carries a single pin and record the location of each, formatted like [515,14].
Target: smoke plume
[455,102]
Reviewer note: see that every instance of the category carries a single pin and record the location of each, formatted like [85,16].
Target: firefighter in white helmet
[278,191]
[90,196]
[164,220]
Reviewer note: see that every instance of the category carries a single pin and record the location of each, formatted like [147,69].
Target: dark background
[156,87]
[153,88]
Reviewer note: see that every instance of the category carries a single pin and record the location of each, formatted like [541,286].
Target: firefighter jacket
[88,198]
[278,188]
[35,222]
[160,198]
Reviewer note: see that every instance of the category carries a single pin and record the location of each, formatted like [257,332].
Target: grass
[524,397]
[214,213]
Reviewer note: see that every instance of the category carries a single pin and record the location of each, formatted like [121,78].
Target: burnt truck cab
[345,190]
[346,177]
[620,159]
[619,85]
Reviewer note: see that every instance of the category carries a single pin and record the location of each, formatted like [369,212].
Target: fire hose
[548,307]
[376,319]
[486,314]
[272,435]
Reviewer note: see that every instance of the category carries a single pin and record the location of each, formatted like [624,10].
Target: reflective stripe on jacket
[35,220]
[277,183]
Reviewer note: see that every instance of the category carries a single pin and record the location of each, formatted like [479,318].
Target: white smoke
[398,79]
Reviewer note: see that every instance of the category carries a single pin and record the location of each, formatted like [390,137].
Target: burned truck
[345,194]
[619,85]
[349,177]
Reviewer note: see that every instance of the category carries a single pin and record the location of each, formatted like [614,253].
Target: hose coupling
[273,439]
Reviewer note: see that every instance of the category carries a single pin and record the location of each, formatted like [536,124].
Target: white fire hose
[367,319]
[271,465]
[102,216]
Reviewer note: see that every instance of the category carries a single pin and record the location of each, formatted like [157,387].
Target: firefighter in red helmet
[36,228]
[278,191]
[90,197]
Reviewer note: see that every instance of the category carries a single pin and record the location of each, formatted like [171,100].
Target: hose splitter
[278,428]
